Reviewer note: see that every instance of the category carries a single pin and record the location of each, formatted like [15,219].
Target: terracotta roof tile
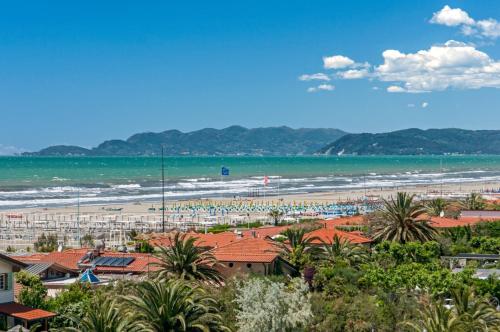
[439,222]
[248,250]
[23,312]
[327,235]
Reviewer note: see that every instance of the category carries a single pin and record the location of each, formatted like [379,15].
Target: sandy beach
[141,207]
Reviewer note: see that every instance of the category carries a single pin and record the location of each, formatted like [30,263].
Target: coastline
[342,195]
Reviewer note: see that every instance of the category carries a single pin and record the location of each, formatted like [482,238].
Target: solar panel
[113,261]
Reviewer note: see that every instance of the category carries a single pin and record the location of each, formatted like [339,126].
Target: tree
[266,306]
[33,292]
[276,215]
[400,221]
[435,207]
[298,247]
[473,202]
[104,315]
[474,313]
[87,240]
[184,260]
[173,305]
[342,251]
[434,317]
[46,243]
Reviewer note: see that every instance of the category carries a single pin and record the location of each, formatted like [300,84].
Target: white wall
[6,296]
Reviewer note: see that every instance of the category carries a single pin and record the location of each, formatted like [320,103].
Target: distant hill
[234,140]
[417,142]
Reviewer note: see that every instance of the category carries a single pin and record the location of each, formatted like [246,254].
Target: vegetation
[400,221]
[436,207]
[184,260]
[46,243]
[473,202]
[398,284]
[276,215]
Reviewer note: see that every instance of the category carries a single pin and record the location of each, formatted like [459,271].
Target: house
[12,313]
[252,255]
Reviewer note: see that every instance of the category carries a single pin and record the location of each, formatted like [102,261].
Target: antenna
[162,190]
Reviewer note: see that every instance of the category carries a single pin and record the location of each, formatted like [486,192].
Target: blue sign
[224,171]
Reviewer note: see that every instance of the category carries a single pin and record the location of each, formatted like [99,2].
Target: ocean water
[57,181]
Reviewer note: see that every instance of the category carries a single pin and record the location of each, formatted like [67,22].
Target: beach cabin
[12,313]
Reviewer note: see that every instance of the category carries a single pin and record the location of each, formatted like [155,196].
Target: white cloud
[453,17]
[354,74]
[321,87]
[337,62]
[425,104]
[395,88]
[452,65]
[311,77]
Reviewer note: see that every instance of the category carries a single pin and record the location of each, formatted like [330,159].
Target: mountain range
[283,141]
[234,140]
[417,142]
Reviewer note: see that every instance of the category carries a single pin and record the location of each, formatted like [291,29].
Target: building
[327,235]
[12,313]
[252,255]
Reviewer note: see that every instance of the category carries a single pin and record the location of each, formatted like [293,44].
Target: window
[249,265]
[231,264]
[4,280]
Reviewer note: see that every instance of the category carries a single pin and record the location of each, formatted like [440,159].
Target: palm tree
[299,247]
[184,260]
[474,314]
[343,251]
[400,221]
[276,215]
[174,305]
[104,315]
[434,318]
[435,207]
[473,202]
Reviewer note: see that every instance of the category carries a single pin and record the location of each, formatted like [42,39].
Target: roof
[88,276]
[439,222]
[482,273]
[253,250]
[344,221]
[37,268]
[70,258]
[12,260]
[20,311]
[328,234]
[208,240]
[266,231]
[475,256]
[492,214]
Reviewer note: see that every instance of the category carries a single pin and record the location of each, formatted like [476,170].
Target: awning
[22,312]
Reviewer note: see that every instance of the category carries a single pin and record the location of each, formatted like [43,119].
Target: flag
[224,171]
[266,180]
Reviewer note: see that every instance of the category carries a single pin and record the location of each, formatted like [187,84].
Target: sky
[81,72]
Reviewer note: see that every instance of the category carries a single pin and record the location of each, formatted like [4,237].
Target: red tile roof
[23,312]
[69,259]
[327,234]
[439,222]
[248,250]
[344,221]
[208,240]
[266,231]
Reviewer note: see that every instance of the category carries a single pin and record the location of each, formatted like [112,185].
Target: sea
[61,181]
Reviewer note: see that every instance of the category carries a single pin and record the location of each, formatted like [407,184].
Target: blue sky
[82,72]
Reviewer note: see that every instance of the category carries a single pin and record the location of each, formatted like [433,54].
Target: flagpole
[162,191]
